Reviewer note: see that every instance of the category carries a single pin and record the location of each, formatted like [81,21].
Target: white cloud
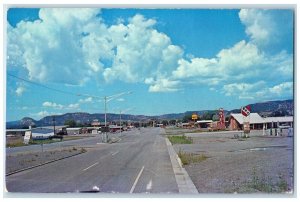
[53,105]
[164,85]
[140,51]
[242,89]
[283,88]
[136,52]
[20,90]
[268,27]
[259,90]
[40,114]
[259,25]
[73,106]
[121,99]
[52,46]
[86,100]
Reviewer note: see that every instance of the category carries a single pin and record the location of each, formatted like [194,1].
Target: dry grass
[189,158]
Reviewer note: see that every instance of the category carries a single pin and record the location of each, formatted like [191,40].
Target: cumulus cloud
[140,51]
[164,85]
[283,88]
[53,105]
[73,106]
[50,49]
[86,100]
[57,47]
[267,26]
[259,90]
[20,90]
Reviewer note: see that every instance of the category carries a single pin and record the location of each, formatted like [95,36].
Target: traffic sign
[246,111]
[194,116]
[27,137]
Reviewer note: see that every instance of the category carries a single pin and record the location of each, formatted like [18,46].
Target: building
[16,132]
[41,133]
[96,123]
[74,131]
[115,128]
[258,123]
[59,130]
[276,122]
[203,123]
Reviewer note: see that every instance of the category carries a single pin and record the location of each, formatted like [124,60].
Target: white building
[258,122]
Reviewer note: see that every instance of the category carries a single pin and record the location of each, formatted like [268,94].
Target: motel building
[258,123]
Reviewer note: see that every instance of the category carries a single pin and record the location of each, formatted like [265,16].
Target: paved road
[139,163]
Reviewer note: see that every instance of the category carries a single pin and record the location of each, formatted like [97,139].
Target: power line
[50,88]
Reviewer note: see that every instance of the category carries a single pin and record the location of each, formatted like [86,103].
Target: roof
[279,119]
[42,131]
[73,128]
[204,121]
[114,126]
[17,130]
[56,127]
[254,118]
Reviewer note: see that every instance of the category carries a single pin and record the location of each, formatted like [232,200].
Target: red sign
[246,111]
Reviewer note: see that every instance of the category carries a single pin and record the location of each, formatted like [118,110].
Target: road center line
[90,166]
[136,180]
[115,153]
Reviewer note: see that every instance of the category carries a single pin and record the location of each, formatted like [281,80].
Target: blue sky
[173,60]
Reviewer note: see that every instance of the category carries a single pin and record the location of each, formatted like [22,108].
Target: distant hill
[271,108]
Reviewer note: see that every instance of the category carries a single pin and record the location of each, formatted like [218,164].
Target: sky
[172,60]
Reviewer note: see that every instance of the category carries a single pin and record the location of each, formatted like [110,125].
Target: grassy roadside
[180,139]
[189,158]
[19,142]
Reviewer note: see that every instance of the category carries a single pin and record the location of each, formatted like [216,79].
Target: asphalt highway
[138,163]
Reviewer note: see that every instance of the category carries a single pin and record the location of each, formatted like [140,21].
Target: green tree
[172,122]
[70,123]
[187,118]
[165,122]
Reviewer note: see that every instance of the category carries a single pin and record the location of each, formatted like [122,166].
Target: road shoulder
[184,182]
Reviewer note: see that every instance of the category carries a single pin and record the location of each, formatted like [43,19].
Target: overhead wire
[54,89]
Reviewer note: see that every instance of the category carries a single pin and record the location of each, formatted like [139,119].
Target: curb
[31,167]
[184,182]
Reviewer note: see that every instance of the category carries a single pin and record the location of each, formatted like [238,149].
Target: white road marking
[115,153]
[136,180]
[149,185]
[90,166]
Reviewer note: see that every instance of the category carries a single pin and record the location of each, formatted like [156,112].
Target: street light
[126,110]
[106,100]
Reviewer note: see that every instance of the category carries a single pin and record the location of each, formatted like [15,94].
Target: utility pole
[106,100]
[53,119]
[105,129]
[120,123]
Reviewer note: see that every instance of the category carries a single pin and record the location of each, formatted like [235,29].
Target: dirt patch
[256,165]
[21,161]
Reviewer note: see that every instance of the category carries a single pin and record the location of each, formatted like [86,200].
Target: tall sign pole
[246,111]
[221,119]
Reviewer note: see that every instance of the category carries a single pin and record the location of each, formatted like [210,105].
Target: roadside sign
[194,116]
[27,137]
[246,111]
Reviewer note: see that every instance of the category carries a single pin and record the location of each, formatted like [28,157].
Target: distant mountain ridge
[271,108]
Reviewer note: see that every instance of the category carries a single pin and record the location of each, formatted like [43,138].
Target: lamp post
[106,100]
[126,110]
[53,119]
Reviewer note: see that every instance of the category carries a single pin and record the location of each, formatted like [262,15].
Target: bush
[189,158]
